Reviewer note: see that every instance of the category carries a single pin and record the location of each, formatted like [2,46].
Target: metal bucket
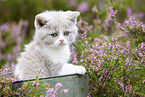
[77,84]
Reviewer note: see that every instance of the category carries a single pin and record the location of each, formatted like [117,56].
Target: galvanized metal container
[77,84]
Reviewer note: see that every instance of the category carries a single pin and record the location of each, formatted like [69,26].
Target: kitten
[50,48]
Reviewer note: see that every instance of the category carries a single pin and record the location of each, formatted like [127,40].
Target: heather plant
[12,36]
[28,88]
[115,67]
[134,28]
[131,27]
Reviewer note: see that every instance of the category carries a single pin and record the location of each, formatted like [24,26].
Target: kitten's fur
[50,49]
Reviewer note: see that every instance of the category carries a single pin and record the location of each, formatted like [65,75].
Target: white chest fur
[58,55]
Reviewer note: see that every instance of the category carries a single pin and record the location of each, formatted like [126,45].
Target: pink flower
[57,86]
[12,66]
[94,9]
[112,12]
[50,91]
[83,7]
[65,90]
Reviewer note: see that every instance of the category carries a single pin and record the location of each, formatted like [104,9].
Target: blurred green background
[17,19]
[15,10]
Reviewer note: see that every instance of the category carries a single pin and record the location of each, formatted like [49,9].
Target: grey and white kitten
[50,48]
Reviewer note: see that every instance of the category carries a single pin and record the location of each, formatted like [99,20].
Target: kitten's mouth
[61,44]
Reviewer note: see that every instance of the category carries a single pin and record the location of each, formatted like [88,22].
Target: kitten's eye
[66,33]
[54,35]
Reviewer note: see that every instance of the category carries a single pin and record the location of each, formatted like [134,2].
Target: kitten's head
[56,28]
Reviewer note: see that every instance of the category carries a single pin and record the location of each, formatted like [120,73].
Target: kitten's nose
[61,41]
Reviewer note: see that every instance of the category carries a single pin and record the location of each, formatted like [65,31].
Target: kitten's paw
[72,69]
[80,70]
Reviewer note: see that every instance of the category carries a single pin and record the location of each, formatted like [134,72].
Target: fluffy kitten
[49,50]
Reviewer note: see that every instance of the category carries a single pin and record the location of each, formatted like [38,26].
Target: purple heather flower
[127,60]
[50,91]
[86,42]
[97,39]
[81,60]
[114,39]
[126,88]
[109,78]
[128,44]
[109,46]
[82,55]
[125,64]
[80,21]
[83,7]
[37,84]
[101,77]
[73,49]
[93,46]
[122,79]
[143,81]
[141,54]
[75,61]
[106,23]
[141,46]
[89,94]
[6,70]
[105,71]
[4,27]
[123,51]
[105,38]
[34,82]
[65,91]
[133,52]
[96,45]
[121,85]
[112,12]
[108,59]
[53,95]
[94,9]
[128,11]
[9,56]
[92,62]
[120,26]
[90,38]
[17,93]
[130,89]
[16,76]
[12,66]
[57,86]
[85,32]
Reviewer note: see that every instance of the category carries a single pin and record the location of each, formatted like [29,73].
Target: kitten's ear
[40,21]
[72,15]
